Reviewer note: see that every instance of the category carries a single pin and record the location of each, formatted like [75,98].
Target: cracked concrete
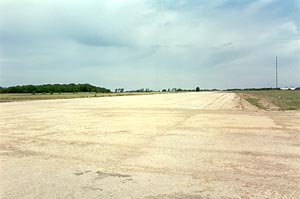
[186,145]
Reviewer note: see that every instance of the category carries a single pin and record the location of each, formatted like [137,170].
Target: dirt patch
[261,103]
[102,175]
[81,173]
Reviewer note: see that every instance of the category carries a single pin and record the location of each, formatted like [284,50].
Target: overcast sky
[150,43]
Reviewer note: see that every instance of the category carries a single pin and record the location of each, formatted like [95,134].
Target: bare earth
[172,146]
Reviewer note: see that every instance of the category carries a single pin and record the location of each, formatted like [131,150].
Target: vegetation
[54,88]
[251,89]
[255,102]
[284,99]
[8,97]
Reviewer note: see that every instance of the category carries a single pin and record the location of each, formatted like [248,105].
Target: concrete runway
[169,146]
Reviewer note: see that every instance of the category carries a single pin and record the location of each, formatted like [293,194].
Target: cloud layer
[150,43]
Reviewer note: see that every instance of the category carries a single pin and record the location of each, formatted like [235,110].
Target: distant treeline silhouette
[75,88]
[54,88]
[254,89]
[251,89]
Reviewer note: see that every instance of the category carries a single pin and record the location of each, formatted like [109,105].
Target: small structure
[119,90]
[288,88]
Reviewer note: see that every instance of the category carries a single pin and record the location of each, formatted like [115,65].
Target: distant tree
[54,88]
[197,89]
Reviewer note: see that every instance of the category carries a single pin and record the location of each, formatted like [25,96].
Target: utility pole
[276,73]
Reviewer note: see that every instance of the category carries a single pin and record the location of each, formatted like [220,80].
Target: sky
[152,44]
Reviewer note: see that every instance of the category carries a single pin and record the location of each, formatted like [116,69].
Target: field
[174,146]
[273,99]
[39,96]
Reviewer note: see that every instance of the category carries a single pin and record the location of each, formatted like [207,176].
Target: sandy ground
[170,146]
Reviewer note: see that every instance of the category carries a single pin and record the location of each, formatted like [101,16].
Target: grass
[284,100]
[39,96]
[255,102]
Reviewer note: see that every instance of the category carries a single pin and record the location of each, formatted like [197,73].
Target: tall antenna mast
[276,73]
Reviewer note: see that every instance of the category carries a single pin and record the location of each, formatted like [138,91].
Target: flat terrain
[173,146]
[12,97]
[273,99]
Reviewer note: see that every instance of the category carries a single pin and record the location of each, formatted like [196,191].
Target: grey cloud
[139,43]
[233,4]
[94,40]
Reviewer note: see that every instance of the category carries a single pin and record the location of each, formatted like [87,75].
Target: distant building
[288,88]
[119,90]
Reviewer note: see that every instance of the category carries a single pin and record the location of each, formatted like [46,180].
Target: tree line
[74,88]
[54,88]
[256,89]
